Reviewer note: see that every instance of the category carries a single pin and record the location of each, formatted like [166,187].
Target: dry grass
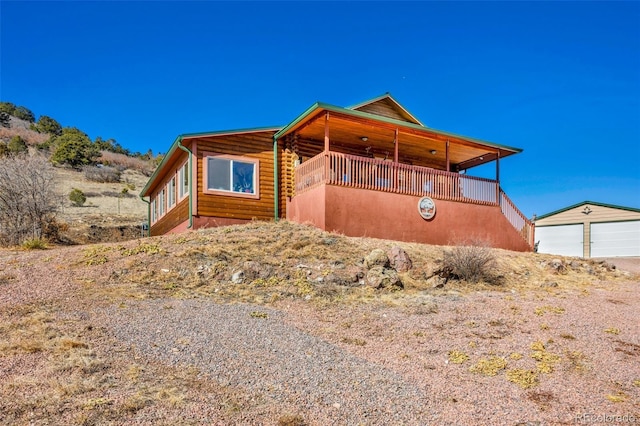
[122,162]
[202,263]
[31,137]
[93,380]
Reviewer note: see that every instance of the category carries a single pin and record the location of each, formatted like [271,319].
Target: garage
[565,240]
[615,239]
[590,229]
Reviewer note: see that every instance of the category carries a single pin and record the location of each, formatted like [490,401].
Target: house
[372,170]
[590,229]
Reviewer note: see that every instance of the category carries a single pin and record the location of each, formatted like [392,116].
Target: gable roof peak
[387,106]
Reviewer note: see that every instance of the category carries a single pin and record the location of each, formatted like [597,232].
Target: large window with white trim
[231,175]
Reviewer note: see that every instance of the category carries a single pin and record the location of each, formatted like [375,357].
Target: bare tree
[28,201]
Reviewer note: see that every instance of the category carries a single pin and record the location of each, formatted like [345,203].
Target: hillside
[108,214]
[280,323]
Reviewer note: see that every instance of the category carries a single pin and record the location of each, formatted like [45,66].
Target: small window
[171,192]
[154,211]
[183,181]
[161,203]
[236,176]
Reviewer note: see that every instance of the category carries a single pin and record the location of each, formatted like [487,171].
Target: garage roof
[592,203]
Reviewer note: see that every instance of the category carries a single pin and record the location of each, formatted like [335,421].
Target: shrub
[74,148]
[470,263]
[24,113]
[28,201]
[47,125]
[101,174]
[34,244]
[125,162]
[17,145]
[77,197]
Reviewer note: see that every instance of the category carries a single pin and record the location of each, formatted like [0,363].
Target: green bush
[24,114]
[77,197]
[73,147]
[47,125]
[17,145]
[34,244]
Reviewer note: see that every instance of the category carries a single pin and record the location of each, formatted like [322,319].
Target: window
[161,199]
[183,181]
[237,176]
[171,192]
[154,211]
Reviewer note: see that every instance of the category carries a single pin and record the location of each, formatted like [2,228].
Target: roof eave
[318,107]
[582,203]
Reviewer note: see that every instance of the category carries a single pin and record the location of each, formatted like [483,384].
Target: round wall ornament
[426,208]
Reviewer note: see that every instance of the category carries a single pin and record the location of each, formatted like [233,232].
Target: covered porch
[338,151]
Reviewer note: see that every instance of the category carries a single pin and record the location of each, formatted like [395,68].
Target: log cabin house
[372,170]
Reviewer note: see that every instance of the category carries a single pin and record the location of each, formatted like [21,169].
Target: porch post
[446,150]
[326,147]
[326,131]
[395,161]
[498,177]
[395,147]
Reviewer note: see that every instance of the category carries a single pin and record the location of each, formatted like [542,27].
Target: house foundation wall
[365,213]
[308,207]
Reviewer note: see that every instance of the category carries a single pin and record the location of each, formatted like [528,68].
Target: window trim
[205,175]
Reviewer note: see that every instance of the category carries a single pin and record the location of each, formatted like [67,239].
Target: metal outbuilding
[590,229]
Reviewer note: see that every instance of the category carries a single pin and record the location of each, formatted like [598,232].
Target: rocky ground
[283,324]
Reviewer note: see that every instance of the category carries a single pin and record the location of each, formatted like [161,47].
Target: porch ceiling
[416,143]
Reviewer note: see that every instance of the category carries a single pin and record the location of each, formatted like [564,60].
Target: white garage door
[565,240]
[615,239]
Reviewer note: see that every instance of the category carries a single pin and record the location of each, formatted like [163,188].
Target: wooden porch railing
[517,219]
[367,173]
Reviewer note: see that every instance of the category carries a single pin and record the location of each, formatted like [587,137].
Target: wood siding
[172,218]
[385,108]
[257,145]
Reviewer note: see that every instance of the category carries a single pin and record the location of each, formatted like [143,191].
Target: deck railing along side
[310,174]
[517,218]
[379,175]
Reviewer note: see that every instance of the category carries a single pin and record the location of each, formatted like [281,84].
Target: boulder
[377,257]
[399,259]
[380,277]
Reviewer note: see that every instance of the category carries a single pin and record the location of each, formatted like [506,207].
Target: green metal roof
[318,106]
[593,203]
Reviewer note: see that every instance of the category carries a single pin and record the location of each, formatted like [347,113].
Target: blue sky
[560,80]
